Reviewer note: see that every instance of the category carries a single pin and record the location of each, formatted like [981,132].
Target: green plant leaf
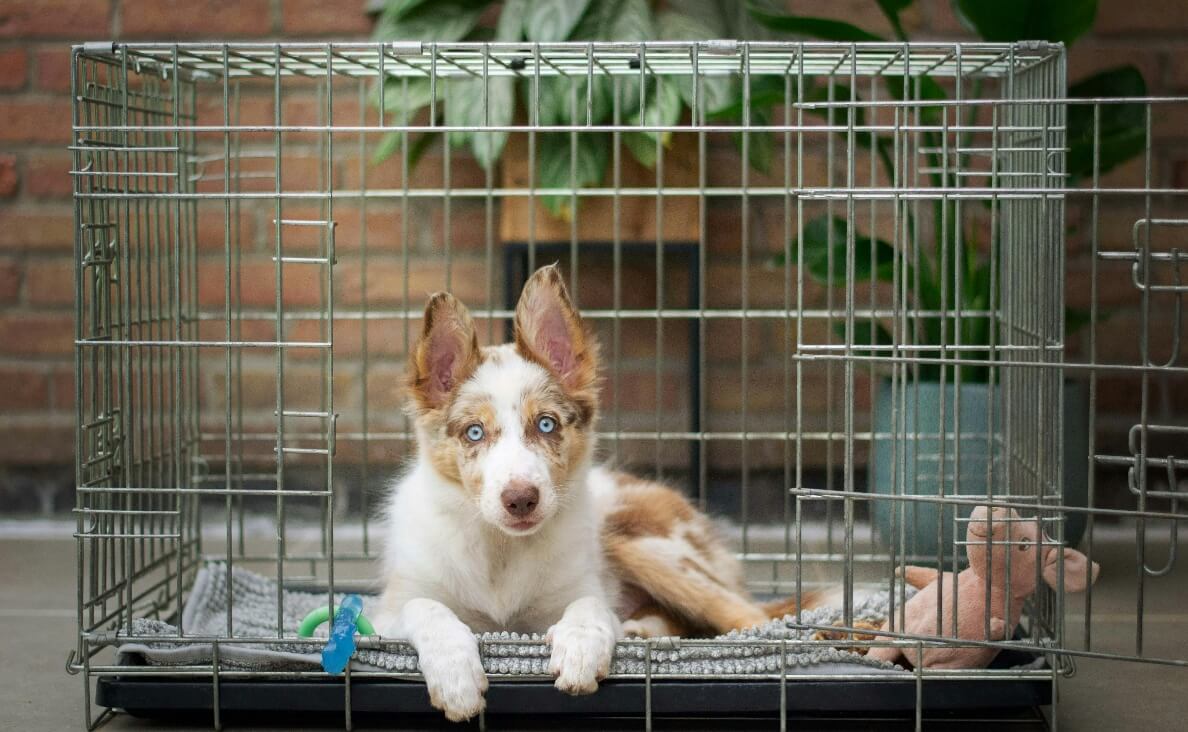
[615,20]
[825,29]
[464,108]
[417,147]
[510,26]
[929,90]
[641,147]
[1022,20]
[1123,126]
[824,235]
[866,333]
[761,145]
[417,20]
[697,20]
[563,100]
[403,96]
[557,166]
[552,20]
[1075,319]
[892,9]
[662,107]
[386,148]
[766,91]
[708,14]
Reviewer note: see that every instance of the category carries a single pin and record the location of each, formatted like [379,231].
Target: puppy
[503,521]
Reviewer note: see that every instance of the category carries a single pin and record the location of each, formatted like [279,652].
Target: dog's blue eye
[474,432]
[546,424]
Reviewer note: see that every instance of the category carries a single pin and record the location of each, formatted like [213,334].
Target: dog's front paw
[581,656]
[456,680]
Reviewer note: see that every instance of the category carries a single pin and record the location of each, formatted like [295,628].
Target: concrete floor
[37,596]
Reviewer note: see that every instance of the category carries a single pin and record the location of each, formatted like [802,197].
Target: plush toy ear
[446,354]
[1079,572]
[550,332]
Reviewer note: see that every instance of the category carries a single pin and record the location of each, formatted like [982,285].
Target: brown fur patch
[697,579]
[672,623]
[646,508]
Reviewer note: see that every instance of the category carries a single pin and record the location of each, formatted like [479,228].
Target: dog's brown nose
[520,498]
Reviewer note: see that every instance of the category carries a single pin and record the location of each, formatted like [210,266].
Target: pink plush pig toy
[1007,533]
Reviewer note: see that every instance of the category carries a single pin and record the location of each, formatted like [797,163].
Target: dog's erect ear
[446,354]
[550,332]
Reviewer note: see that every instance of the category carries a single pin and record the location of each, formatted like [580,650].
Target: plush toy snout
[1079,572]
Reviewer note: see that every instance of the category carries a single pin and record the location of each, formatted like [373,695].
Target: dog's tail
[809,599]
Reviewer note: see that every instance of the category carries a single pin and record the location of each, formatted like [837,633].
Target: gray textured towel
[254,602]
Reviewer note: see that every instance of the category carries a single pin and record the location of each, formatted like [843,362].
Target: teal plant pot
[929,454]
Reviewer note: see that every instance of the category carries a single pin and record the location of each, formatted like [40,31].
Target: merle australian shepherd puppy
[504,522]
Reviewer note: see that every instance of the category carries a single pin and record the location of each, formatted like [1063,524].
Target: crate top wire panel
[205,60]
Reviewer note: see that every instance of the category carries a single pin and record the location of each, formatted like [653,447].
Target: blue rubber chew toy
[341,644]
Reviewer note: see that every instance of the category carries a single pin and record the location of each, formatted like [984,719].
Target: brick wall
[36,276]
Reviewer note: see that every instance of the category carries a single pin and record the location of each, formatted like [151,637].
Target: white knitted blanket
[254,602]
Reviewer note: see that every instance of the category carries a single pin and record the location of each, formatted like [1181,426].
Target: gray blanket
[254,603]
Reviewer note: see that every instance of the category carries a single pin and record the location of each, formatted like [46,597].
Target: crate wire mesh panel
[248,281]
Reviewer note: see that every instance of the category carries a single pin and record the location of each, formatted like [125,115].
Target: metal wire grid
[145,165]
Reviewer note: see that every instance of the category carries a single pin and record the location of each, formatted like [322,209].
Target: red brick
[168,19]
[14,69]
[254,109]
[636,390]
[943,21]
[318,18]
[1089,57]
[300,284]
[637,339]
[47,175]
[303,389]
[52,72]
[10,281]
[24,389]
[385,389]
[62,388]
[8,176]
[248,330]
[425,276]
[49,282]
[299,172]
[54,19]
[467,229]
[36,443]
[35,119]
[385,338]
[211,224]
[39,228]
[36,334]
[1138,17]
[383,227]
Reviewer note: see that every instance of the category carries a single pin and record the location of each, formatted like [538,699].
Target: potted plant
[572,160]
[938,397]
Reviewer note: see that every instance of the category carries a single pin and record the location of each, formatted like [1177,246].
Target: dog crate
[890,283]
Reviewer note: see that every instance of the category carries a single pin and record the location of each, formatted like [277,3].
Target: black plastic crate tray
[395,700]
